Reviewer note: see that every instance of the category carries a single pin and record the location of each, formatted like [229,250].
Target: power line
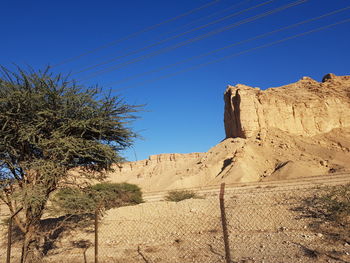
[157,43]
[240,53]
[212,14]
[136,33]
[231,45]
[189,41]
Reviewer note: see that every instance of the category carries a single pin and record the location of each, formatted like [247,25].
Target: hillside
[279,221]
[298,130]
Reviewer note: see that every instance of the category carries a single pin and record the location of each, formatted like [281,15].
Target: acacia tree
[50,126]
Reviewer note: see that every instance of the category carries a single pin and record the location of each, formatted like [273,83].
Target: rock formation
[298,130]
[306,108]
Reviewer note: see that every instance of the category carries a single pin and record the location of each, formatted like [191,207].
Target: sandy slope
[277,156]
[297,130]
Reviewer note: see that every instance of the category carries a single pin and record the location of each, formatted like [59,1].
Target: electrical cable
[189,41]
[231,45]
[211,15]
[135,34]
[240,53]
[157,43]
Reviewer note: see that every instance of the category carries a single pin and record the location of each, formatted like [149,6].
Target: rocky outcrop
[306,108]
[298,130]
[167,159]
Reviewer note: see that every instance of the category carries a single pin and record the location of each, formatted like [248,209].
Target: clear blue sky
[184,112]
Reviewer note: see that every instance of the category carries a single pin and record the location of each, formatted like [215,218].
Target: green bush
[103,196]
[179,195]
[72,201]
[112,195]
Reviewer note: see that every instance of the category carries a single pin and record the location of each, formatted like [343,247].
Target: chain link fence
[289,226]
[263,225]
[174,232]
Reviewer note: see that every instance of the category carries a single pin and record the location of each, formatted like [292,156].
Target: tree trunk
[31,249]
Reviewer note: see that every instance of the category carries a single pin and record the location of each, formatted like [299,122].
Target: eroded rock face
[170,159]
[294,131]
[306,107]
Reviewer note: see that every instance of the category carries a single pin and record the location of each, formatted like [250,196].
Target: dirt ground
[267,223]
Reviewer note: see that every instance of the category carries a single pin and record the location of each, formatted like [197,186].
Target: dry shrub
[179,195]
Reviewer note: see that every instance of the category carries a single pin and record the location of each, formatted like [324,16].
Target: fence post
[9,236]
[96,234]
[224,224]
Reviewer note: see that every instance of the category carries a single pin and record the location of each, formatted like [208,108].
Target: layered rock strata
[298,130]
[306,107]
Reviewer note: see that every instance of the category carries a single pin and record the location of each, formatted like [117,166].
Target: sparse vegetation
[335,204]
[179,195]
[103,195]
[330,209]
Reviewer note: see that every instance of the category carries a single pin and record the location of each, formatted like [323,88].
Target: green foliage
[47,118]
[102,196]
[179,195]
[72,201]
[111,195]
[49,125]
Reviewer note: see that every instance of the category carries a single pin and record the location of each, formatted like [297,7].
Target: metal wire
[237,54]
[192,40]
[135,34]
[171,38]
[229,46]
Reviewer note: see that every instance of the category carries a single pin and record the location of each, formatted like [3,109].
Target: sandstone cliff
[298,130]
[306,107]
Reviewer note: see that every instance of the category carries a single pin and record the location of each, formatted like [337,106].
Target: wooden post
[96,234]
[9,241]
[224,224]
[9,236]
